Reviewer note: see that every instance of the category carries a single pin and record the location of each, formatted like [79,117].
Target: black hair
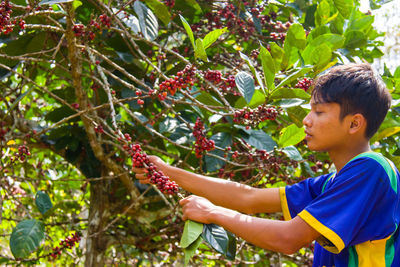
[357,88]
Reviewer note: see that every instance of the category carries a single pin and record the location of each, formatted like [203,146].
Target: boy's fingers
[184,201]
[141,176]
[144,181]
[139,170]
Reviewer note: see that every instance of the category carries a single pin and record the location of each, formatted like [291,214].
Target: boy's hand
[197,208]
[141,173]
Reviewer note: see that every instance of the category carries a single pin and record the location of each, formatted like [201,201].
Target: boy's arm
[221,192]
[282,236]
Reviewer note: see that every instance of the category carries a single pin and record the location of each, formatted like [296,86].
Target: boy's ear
[358,123]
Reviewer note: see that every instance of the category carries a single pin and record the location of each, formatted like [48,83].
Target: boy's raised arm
[228,194]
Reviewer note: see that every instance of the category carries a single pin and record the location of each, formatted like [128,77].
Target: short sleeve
[294,198]
[360,196]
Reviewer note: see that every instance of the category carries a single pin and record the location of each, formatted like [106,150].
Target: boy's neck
[340,158]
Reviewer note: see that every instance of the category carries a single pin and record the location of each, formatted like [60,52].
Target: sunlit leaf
[268,66]
[245,84]
[188,30]
[291,135]
[191,232]
[213,36]
[191,249]
[147,21]
[199,50]
[160,10]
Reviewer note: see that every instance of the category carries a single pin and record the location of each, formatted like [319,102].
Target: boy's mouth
[308,135]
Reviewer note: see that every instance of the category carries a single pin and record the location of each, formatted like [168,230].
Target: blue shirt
[356,211]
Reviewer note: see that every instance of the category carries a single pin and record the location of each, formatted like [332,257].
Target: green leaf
[361,24]
[188,30]
[213,36]
[191,232]
[292,153]
[288,103]
[132,22]
[290,93]
[169,125]
[299,73]
[268,66]
[333,41]
[385,133]
[291,135]
[199,50]
[147,21]
[344,7]
[278,55]
[355,39]
[296,36]
[191,249]
[257,99]
[253,70]
[296,115]
[221,240]
[43,202]
[194,4]
[223,140]
[323,13]
[52,2]
[76,4]
[321,56]
[160,10]
[26,238]
[245,84]
[208,99]
[258,138]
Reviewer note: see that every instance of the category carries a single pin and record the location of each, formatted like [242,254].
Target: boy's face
[324,129]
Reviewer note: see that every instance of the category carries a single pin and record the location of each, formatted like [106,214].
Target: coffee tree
[90,88]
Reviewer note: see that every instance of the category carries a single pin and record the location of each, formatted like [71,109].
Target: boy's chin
[315,148]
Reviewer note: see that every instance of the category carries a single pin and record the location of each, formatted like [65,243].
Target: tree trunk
[99,214]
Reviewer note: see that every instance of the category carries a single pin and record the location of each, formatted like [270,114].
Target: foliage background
[72,88]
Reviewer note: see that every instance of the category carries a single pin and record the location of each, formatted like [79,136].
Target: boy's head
[357,88]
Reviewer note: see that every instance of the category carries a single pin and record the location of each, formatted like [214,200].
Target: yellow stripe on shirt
[337,243]
[284,204]
[372,253]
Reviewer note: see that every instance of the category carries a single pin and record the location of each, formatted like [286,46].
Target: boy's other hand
[197,208]
[141,173]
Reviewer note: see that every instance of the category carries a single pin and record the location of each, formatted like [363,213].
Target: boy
[352,213]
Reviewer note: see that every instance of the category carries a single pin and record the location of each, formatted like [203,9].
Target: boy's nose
[307,120]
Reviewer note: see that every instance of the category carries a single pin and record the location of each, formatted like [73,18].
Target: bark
[96,240]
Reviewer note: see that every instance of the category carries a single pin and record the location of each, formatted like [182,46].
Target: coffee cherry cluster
[23,152]
[252,117]
[105,20]
[6,26]
[182,80]
[95,26]
[157,177]
[202,143]
[69,242]
[304,84]
[214,76]
[99,129]
[163,183]
[169,3]
[229,85]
